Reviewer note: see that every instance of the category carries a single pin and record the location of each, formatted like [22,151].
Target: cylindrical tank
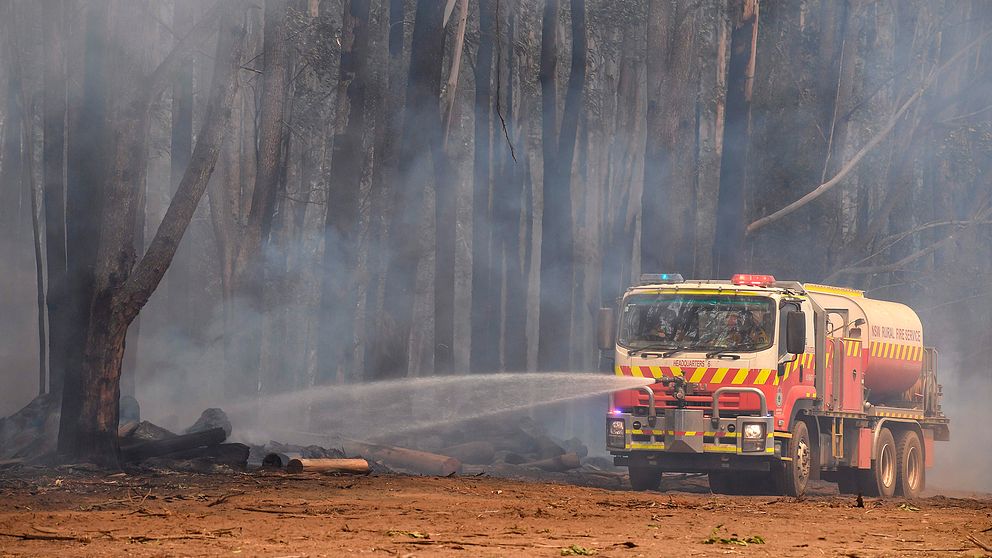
[891,335]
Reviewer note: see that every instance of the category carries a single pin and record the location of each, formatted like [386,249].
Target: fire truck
[765,384]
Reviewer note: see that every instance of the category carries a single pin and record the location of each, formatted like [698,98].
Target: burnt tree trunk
[667,218]
[729,248]
[555,297]
[88,430]
[384,186]
[53,157]
[181,145]
[338,293]
[485,295]
[85,175]
[420,137]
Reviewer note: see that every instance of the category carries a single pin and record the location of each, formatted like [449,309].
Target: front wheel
[644,478]
[792,476]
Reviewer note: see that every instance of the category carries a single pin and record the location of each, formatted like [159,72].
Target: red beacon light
[753,280]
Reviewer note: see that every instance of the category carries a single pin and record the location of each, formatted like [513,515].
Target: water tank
[891,333]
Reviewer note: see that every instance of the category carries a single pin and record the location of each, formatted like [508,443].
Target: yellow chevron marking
[655,371]
[720,449]
[740,377]
[697,375]
[690,432]
[720,373]
[636,371]
[646,445]
[676,371]
[762,377]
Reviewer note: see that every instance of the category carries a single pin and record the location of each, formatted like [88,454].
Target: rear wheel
[791,477]
[911,477]
[644,478]
[880,480]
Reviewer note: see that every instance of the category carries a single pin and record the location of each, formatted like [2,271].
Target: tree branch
[148,273]
[881,135]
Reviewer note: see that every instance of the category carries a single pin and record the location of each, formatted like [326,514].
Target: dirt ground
[67,512]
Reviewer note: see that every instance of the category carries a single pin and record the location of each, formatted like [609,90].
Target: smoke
[963,462]
[18,326]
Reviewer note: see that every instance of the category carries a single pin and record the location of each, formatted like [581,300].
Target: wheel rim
[912,468]
[802,460]
[886,466]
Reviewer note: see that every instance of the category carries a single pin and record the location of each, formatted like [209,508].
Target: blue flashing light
[661,278]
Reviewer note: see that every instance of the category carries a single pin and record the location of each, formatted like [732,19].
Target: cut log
[353,466]
[558,463]
[232,455]
[411,460]
[476,453]
[279,460]
[153,448]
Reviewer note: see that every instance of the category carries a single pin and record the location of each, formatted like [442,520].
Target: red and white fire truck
[765,384]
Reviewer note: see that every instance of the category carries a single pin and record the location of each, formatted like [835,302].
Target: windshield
[732,323]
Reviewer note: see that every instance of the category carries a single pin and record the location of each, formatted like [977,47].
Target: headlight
[754,430]
[617,428]
[616,435]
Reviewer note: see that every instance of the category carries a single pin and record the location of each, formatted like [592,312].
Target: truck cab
[739,388]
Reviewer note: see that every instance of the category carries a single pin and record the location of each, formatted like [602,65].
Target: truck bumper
[688,441]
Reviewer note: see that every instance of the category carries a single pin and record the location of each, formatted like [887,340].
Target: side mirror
[795,333]
[606,327]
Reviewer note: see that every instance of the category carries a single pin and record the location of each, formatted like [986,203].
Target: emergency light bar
[753,280]
[656,278]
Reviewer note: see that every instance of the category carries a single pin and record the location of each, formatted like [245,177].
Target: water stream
[376,409]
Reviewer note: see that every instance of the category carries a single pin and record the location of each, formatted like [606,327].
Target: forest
[231,199]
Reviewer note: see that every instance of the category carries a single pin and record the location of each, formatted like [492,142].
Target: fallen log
[558,463]
[154,448]
[476,453]
[278,460]
[232,455]
[403,458]
[353,466]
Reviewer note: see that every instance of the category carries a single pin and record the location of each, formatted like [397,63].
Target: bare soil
[67,512]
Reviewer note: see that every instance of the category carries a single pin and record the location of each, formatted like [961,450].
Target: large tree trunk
[84,195]
[338,292]
[557,254]
[555,292]
[53,154]
[667,219]
[508,209]
[384,185]
[485,293]
[178,281]
[729,248]
[420,137]
[88,431]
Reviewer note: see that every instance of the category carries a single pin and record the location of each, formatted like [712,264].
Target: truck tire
[880,480]
[791,477]
[644,478]
[911,473]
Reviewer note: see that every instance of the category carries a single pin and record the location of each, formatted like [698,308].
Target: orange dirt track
[71,513]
